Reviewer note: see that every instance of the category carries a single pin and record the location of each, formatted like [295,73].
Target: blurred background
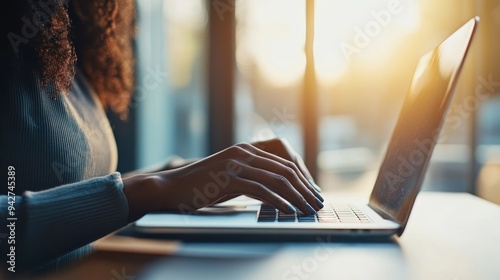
[327,75]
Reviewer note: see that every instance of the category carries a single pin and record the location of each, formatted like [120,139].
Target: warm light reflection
[365,54]
[185,25]
[271,36]
[347,31]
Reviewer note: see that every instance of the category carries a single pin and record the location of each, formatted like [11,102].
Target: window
[170,94]
[364,54]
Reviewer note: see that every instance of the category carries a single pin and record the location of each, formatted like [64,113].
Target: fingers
[260,192]
[275,173]
[283,180]
[302,167]
[300,174]
[281,186]
[283,149]
[279,177]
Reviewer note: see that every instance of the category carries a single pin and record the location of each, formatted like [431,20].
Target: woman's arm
[54,222]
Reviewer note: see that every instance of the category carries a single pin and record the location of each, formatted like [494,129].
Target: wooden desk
[449,237]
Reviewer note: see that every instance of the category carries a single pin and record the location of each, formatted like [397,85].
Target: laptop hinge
[383,214]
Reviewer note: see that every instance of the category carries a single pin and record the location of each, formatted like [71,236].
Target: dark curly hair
[58,35]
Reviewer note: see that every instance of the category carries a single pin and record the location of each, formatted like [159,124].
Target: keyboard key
[286,219]
[266,219]
[338,214]
[265,207]
[349,221]
[310,217]
[328,220]
[327,215]
[283,214]
[307,218]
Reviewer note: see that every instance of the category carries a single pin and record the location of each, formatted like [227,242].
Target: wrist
[141,191]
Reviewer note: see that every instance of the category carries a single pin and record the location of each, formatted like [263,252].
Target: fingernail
[318,202]
[320,197]
[310,209]
[292,209]
[317,188]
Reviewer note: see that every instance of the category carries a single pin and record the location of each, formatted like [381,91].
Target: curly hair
[95,35]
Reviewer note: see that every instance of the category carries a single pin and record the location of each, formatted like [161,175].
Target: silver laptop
[399,179]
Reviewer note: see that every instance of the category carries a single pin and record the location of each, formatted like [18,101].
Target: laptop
[397,185]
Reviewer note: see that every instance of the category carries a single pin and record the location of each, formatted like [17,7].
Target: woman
[62,64]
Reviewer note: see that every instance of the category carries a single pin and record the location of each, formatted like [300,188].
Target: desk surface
[449,236]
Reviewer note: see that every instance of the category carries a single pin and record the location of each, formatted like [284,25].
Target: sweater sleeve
[54,222]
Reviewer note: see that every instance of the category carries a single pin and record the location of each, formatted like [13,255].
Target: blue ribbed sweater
[67,193]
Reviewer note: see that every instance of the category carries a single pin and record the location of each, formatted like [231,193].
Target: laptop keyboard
[329,214]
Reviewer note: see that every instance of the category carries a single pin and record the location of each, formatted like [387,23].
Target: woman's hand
[242,169]
[283,149]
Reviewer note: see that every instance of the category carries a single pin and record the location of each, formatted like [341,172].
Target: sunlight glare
[273,37]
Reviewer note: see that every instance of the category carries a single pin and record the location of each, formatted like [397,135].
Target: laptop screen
[417,129]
